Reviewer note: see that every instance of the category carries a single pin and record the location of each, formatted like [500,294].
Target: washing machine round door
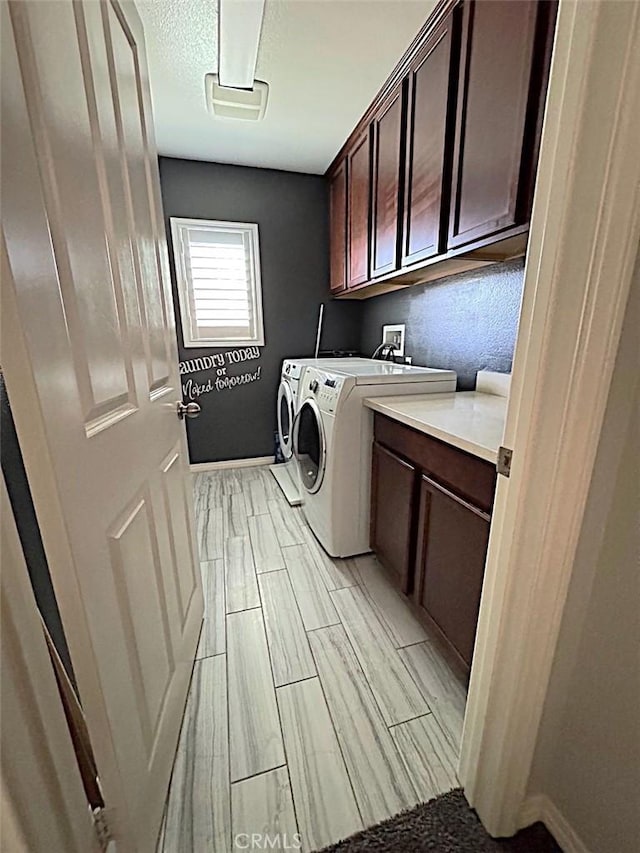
[286,413]
[309,445]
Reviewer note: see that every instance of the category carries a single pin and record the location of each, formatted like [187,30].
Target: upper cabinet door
[492,157]
[359,190]
[386,183]
[431,106]
[338,228]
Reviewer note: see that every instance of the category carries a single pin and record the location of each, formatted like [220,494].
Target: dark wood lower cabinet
[452,546]
[430,518]
[393,483]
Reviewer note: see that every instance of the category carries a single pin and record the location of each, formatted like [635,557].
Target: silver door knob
[187,410]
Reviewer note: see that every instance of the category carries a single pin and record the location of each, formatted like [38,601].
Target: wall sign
[218,363]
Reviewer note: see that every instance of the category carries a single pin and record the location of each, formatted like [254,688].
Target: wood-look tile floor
[319,704]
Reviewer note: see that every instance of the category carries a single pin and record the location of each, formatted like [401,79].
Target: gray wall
[587,758]
[467,322]
[292,215]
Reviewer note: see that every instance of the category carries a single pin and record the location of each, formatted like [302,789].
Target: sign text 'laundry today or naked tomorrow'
[219,363]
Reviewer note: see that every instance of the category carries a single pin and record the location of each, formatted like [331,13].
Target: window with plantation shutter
[218,276]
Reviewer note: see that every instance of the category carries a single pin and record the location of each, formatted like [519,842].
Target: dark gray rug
[447,824]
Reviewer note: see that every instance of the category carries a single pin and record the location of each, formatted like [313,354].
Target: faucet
[384,352]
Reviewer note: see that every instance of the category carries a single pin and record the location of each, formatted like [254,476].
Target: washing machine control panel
[326,388]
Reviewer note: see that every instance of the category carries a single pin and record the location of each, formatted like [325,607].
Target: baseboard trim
[231,463]
[540,807]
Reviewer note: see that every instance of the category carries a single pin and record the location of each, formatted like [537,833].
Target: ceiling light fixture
[239,27]
[227,102]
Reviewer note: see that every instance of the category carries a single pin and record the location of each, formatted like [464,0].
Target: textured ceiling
[324,61]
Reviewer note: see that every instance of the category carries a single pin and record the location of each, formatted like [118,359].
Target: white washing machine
[332,438]
[286,474]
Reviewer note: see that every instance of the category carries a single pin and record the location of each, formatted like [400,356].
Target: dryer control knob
[314,385]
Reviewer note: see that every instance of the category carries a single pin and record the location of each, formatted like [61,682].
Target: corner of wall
[539,807]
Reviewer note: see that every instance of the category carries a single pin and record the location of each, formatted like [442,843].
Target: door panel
[94,388]
[338,227]
[95,321]
[495,74]
[177,502]
[392,488]
[127,86]
[358,178]
[424,227]
[452,549]
[140,595]
[387,179]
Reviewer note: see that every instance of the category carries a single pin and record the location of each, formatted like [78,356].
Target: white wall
[588,754]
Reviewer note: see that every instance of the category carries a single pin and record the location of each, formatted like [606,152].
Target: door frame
[583,243]
[42,795]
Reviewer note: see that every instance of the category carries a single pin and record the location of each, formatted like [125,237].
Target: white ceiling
[324,61]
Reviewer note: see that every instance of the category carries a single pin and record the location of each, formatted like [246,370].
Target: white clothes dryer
[332,438]
[286,474]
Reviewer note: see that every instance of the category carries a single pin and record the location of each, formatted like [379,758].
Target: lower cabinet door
[452,547]
[392,490]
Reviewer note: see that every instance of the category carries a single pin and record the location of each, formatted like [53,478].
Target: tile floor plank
[428,755]
[311,594]
[198,810]
[240,575]
[235,516]
[381,782]
[291,657]
[266,550]
[255,497]
[255,739]
[254,472]
[207,490]
[274,492]
[288,531]
[212,636]
[210,532]
[335,573]
[325,805]
[395,691]
[263,806]
[402,625]
[232,481]
[443,689]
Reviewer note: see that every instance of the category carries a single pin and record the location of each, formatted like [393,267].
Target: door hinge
[503,465]
[103,831]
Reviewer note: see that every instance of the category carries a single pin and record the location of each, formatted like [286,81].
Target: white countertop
[469,420]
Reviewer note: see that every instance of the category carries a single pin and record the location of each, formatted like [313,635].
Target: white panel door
[91,366]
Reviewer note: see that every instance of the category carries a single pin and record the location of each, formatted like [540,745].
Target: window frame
[181,224]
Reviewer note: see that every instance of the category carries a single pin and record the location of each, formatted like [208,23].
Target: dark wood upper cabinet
[440,170]
[338,227]
[431,108]
[453,536]
[492,158]
[358,208]
[392,490]
[386,178]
